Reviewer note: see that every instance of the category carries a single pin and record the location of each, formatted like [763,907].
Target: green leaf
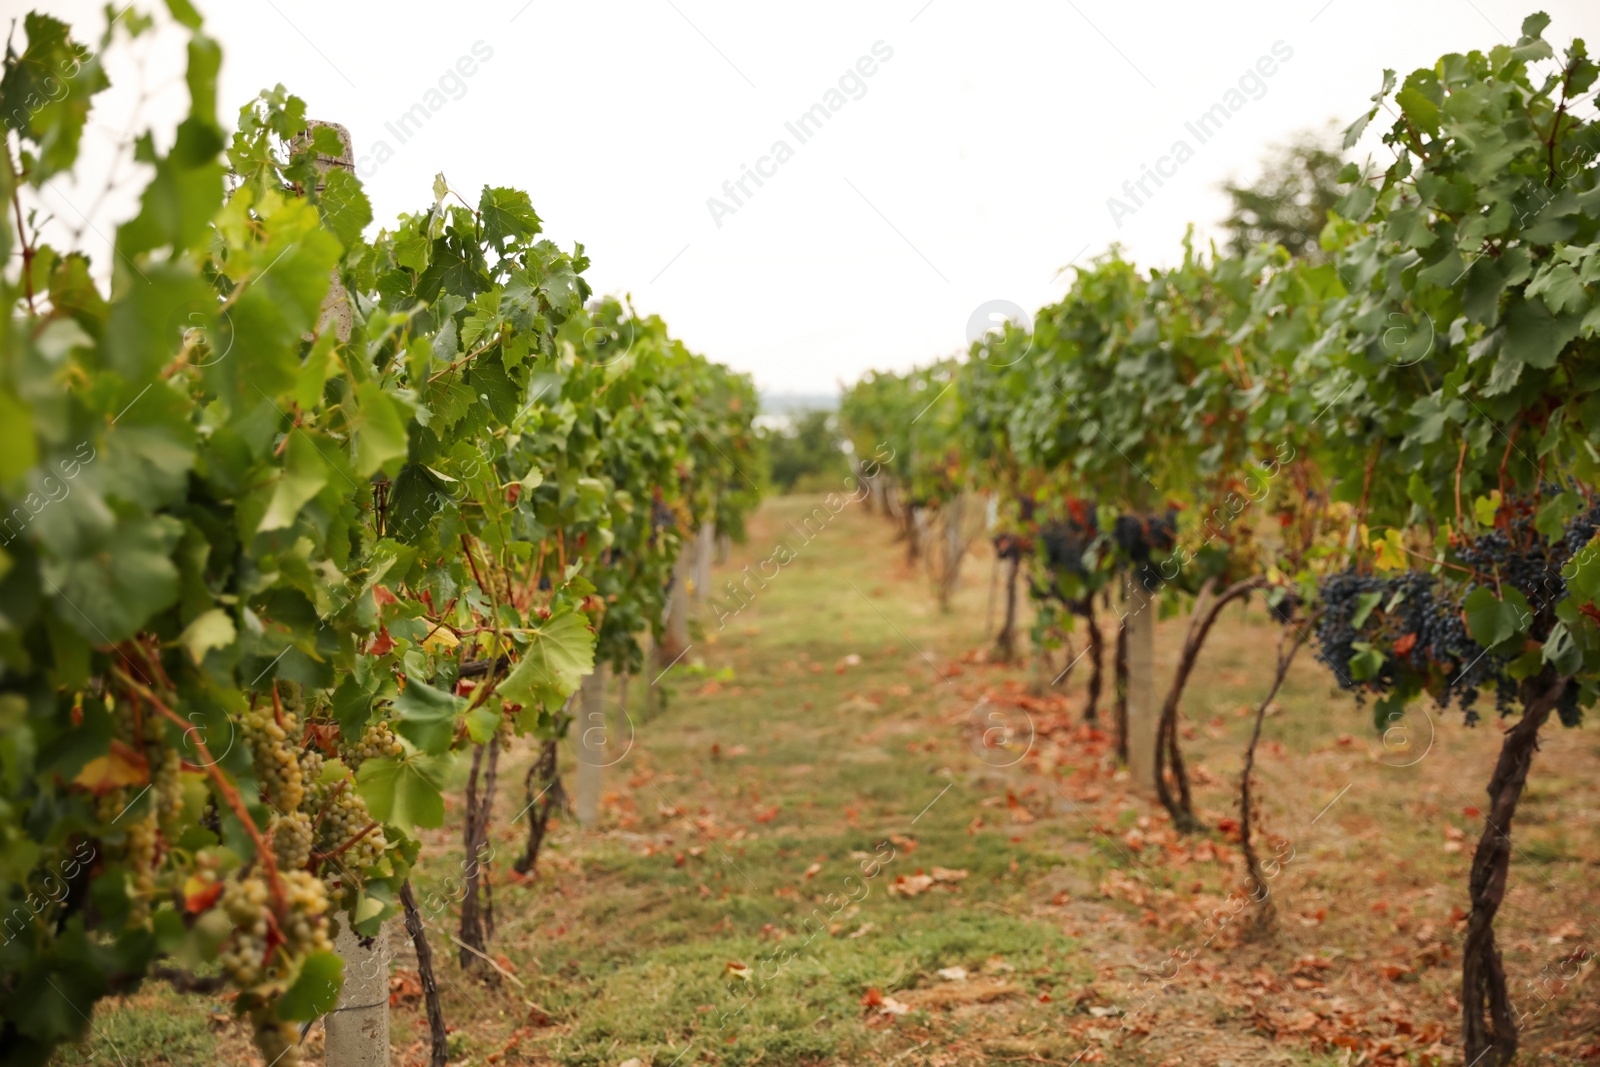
[380,429]
[352,707]
[114,590]
[47,92]
[1364,605]
[305,473]
[344,205]
[18,449]
[506,213]
[1420,100]
[1561,651]
[1562,290]
[1582,573]
[212,630]
[452,268]
[1492,620]
[1534,336]
[553,665]
[147,322]
[313,988]
[406,793]
[427,716]
[481,723]
[1366,663]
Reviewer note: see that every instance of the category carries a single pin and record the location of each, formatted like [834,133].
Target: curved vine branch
[1181,807]
[1255,877]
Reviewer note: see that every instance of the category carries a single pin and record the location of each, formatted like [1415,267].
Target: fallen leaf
[404,986]
[909,885]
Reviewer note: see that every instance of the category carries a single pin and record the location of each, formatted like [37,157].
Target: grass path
[848,840]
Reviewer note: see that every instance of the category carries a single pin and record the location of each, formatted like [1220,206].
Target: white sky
[977,164]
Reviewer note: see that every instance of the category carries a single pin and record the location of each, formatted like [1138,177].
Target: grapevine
[309,525]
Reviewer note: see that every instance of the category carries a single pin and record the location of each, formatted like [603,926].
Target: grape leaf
[506,213]
[560,654]
[313,987]
[405,793]
[1491,619]
[304,475]
[344,205]
[213,629]
[427,716]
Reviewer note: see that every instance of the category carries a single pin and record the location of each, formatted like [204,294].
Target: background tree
[1288,203]
[805,452]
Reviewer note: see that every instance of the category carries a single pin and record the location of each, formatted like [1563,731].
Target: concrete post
[676,637]
[705,546]
[358,1027]
[591,739]
[1142,710]
[336,305]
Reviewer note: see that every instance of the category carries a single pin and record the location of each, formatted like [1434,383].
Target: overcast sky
[963,152]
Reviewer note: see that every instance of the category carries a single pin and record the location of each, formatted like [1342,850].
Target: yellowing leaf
[1389,554]
[119,767]
[1485,508]
[441,640]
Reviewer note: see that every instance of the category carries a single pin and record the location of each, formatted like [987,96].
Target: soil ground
[847,838]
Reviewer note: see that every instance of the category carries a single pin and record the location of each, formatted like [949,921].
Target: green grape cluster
[344,816]
[291,839]
[377,741]
[108,805]
[276,756]
[166,774]
[260,964]
[140,856]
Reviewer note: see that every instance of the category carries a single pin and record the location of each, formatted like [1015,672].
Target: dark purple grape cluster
[1008,547]
[1065,541]
[1141,536]
[1412,613]
[661,518]
[1284,608]
[1581,530]
[1416,613]
[1517,555]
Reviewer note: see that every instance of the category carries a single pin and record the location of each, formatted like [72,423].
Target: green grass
[781,760]
[140,1032]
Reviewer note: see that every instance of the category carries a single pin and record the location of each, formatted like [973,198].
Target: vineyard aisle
[847,839]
